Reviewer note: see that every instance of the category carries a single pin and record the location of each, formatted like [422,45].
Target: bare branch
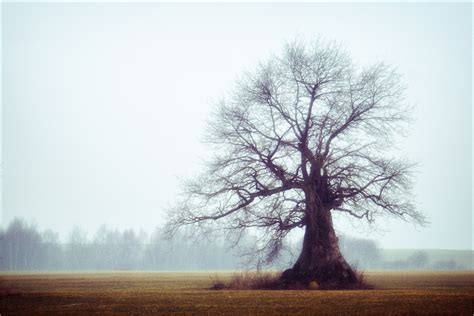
[306,127]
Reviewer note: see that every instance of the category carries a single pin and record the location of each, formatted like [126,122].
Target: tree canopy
[307,125]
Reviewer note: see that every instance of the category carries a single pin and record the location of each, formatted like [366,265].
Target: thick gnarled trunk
[320,259]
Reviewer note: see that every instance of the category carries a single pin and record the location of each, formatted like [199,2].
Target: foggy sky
[104,105]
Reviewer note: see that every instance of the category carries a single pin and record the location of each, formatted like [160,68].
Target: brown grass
[248,280]
[161,293]
[270,280]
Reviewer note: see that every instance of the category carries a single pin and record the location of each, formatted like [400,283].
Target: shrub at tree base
[276,281]
[249,281]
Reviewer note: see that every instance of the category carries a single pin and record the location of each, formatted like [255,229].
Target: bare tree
[418,260]
[305,135]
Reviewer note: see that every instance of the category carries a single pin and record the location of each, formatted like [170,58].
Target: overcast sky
[104,105]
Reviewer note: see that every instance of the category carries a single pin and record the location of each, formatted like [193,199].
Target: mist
[23,247]
[105,106]
[236,158]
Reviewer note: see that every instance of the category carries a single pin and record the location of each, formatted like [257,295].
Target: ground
[188,294]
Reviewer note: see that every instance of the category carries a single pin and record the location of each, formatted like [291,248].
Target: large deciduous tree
[307,134]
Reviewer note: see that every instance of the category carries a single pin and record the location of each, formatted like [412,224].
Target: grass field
[134,293]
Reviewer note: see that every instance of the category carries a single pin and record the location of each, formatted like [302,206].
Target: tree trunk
[320,259]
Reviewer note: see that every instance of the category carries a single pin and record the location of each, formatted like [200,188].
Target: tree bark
[320,259]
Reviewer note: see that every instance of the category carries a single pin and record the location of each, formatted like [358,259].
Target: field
[134,293]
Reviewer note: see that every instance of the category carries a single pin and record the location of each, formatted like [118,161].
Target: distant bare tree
[76,249]
[21,246]
[418,260]
[303,136]
[363,253]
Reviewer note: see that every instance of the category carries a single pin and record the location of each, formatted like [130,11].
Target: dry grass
[267,280]
[247,280]
[188,293]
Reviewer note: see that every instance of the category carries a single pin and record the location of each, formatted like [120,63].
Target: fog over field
[105,108]
[24,248]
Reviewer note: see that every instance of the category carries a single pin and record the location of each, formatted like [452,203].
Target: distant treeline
[365,254]
[24,248]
